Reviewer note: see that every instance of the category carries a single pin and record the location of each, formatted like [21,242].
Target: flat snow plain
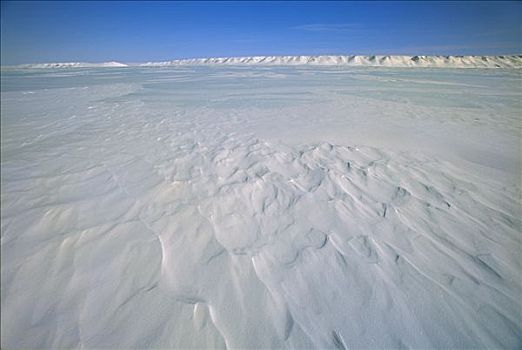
[261,207]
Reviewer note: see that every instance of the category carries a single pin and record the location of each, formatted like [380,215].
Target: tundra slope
[272,207]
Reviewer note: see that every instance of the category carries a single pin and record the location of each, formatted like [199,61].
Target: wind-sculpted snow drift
[195,208]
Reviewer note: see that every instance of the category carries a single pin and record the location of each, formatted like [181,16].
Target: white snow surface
[261,207]
[513,61]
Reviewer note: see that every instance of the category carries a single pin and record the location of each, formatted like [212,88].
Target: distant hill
[71,65]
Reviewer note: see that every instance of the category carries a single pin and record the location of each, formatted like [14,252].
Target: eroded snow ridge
[131,219]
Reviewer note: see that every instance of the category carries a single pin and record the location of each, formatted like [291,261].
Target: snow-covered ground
[261,207]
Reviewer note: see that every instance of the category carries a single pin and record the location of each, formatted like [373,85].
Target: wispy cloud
[327,27]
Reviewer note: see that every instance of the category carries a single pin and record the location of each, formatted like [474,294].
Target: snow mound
[373,61]
[72,65]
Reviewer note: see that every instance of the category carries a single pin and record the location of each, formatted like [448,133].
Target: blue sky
[153,31]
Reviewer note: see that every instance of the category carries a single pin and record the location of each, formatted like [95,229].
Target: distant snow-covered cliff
[512,61]
[386,61]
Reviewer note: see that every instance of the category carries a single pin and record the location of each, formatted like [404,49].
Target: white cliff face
[379,61]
